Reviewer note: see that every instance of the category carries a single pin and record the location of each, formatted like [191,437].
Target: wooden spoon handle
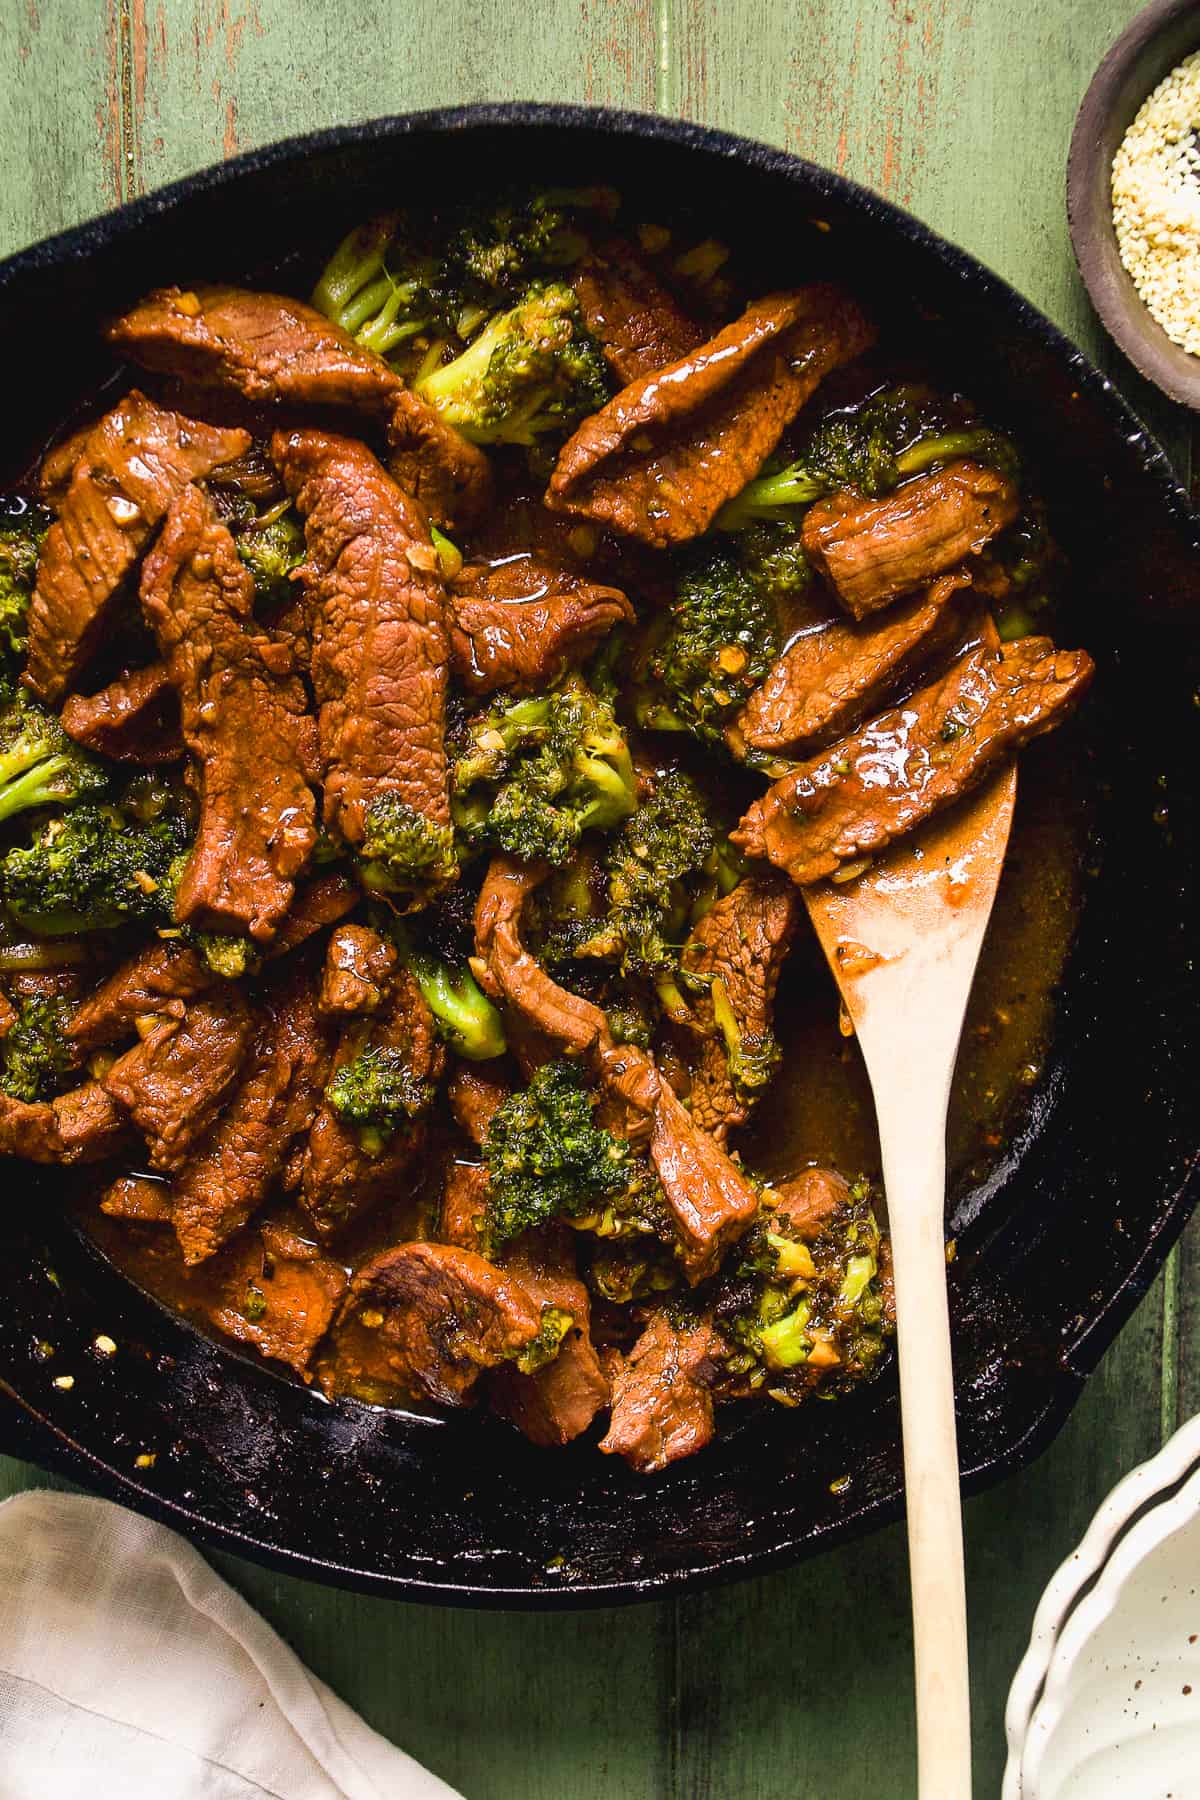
[914,1167]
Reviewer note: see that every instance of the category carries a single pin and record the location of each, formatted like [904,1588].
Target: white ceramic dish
[1078,1576]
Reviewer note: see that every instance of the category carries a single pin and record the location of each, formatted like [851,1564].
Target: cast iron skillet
[1055,1249]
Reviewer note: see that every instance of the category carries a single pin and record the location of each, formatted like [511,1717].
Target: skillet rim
[37,1437]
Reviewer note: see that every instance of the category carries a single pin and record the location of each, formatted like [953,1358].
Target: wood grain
[799,1686]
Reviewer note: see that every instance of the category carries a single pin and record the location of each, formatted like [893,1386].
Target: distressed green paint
[797,1686]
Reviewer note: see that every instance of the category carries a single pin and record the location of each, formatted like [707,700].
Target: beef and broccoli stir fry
[421,709]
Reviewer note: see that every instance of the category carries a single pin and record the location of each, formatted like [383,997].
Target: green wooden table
[961,110]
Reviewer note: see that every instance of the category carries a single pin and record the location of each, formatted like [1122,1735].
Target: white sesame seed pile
[1156,203]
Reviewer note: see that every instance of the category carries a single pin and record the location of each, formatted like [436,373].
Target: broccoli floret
[719,641]
[871,448]
[36,1056]
[462,1012]
[23,527]
[542,1349]
[498,251]
[271,548]
[531,776]
[39,763]
[404,854]
[752,1057]
[652,864]
[91,870]
[546,1157]
[227,955]
[799,1315]
[531,370]
[376,287]
[378,1093]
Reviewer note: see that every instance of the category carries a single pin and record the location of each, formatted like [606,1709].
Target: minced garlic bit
[146,1460]
[105,1345]
[1156,203]
[66,1382]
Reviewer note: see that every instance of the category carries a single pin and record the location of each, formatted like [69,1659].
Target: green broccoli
[377,1092]
[653,866]
[378,289]
[404,854]
[799,1315]
[530,776]
[91,870]
[871,448]
[271,548]
[39,763]
[36,1056]
[752,1057]
[546,1157]
[23,527]
[714,648]
[542,1349]
[531,370]
[462,1012]
[498,249]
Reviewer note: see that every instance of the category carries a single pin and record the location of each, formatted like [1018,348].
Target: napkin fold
[127,1667]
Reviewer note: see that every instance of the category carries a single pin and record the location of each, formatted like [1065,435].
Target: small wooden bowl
[1157,40]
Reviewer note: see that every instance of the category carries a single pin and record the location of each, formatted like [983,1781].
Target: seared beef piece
[555,1403]
[509,974]
[245,721]
[870,551]
[444,1314]
[518,624]
[341,1179]
[59,463]
[319,903]
[283,1306]
[907,764]
[742,944]
[380,648]
[285,1238]
[235,1168]
[266,348]
[173,1081]
[358,964]
[8,1015]
[711,1200]
[157,979]
[134,462]
[828,678]
[660,460]
[709,1197]
[134,719]
[79,1126]
[464,1200]
[138,1198]
[639,325]
[451,477]
[476,1092]
[661,1404]
[810,1198]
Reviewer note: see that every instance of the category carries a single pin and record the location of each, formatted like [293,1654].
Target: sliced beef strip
[159,979]
[743,944]
[138,1199]
[444,1314]
[341,1179]
[510,974]
[557,1402]
[234,1170]
[659,461]
[476,1092]
[82,1125]
[712,1201]
[451,477]
[639,326]
[8,1015]
[519,623]
[173,1081]
[907,764]
[871,551]
[464,1200]
[380,647]
[810,1199]
[321,902]
[282,1306]
[662,1406]
[245,720]
[134,719]
[829,677]
[265,348]
[358,966]
[134,463]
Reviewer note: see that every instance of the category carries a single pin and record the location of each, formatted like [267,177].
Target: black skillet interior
[1054,1251]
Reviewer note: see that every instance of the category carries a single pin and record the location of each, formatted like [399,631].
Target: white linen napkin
[128,1668]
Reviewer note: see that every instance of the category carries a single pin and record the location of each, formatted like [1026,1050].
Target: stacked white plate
[1106,1702]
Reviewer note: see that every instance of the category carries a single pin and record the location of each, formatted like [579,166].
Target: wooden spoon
[902,941]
